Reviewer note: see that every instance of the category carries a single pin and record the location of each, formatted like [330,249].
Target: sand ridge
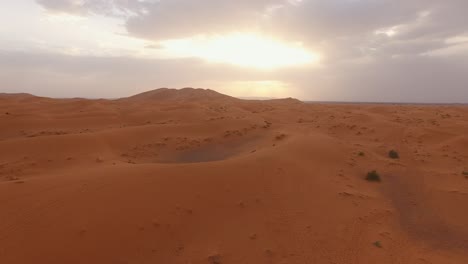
[194,176]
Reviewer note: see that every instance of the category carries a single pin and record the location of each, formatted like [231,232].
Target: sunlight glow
[240,49]
[252,89]
[264,88]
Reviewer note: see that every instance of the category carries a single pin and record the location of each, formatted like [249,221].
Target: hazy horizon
[259,98]
[413,51]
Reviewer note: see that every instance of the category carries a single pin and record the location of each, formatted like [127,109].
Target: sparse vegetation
[361,154]
[465,173]
[214,259]
[373,176]
[393,154]
[378,244]
[280,137]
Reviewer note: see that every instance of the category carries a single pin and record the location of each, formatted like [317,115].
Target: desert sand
[194,176]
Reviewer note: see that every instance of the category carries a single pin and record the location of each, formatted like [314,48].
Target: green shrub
[393,154]
[378,244]
[373,176]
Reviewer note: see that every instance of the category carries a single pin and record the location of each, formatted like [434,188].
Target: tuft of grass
[361,154]
[378,244]
[373,176]
[393,154]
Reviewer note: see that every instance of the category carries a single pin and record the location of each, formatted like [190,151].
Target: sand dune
[194,176]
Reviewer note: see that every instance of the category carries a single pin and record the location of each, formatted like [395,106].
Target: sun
[242,49]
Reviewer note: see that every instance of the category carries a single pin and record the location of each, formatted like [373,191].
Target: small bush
[361,154]
[393,154]
[280,137]
[215,259]
[465,173]
[373,176]
[378,244]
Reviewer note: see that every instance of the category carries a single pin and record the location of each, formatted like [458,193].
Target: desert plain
[192,176]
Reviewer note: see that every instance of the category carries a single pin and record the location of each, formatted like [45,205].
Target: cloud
[164,19]
[307,20]
[180,18]
[343,26]
[102,7]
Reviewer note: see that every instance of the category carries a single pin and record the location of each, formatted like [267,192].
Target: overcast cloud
[371,50]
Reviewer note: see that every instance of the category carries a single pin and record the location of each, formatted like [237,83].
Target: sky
[318,50]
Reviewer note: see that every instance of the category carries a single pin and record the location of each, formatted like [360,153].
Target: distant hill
[185,94]
[18,95]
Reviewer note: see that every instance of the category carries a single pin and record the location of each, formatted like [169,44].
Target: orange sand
[193,176]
